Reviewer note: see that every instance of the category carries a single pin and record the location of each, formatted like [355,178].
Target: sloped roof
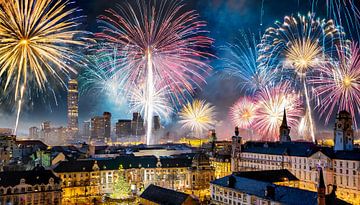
[12,178]
[163,196]
[302,149]
[269,175]
[283,194]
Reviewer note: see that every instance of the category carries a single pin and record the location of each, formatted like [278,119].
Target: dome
[200,159]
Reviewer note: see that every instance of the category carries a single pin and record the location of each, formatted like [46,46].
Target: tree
[121,189]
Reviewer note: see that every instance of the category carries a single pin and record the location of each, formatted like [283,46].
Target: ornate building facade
[87,179]
[30,188]
[340,164]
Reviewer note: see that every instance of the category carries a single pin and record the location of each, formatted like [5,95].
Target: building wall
[223,195]
[31,195]
[343,173]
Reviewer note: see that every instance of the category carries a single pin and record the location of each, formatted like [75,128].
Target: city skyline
[90,105]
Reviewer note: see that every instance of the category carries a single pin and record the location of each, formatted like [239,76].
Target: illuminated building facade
[73,107]
[273,187]
[82,179]
[137,125]
[30,188]
[101,127]
[34,132]
[340,164]
[7,145]
[123,128]
[221,164]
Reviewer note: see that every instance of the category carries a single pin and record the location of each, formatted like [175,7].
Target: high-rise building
[107,124]
[123,128]
[72,106]
[45,130]
[157,124]
[137,124]
[86,129]
[101,126]
[34,132]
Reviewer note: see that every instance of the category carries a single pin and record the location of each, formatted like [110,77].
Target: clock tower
[343,132]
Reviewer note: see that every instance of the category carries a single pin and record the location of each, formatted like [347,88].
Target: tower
[72,106]
[284,130]
[107,124]
[235,151]
[321,189]
[343,132]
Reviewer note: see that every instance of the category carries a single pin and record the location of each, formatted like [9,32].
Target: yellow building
[87,179]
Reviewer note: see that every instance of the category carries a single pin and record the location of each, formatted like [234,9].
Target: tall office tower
[97,127]
[123,128]
[86,129]
[72,106]
[157,124]
[34,133]
[137,124]
[45,130]
[107,124]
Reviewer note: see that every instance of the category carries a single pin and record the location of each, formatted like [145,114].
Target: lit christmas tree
[122,189]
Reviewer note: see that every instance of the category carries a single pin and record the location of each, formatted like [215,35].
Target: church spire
[284,121]
[284,130]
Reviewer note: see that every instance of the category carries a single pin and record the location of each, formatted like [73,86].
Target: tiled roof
[163,196]
[283,194]
[302,149]
[127,162]
[31,177]
[269,175]
[32,143]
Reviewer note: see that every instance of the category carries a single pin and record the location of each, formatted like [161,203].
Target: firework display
[154,56]
[337,83]
[242,113]
[35,44]
[271,103]
[198,116]
[300,44]
[159,42]
[241,63]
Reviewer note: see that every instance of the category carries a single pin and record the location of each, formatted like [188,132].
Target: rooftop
[164,196]
[31,177]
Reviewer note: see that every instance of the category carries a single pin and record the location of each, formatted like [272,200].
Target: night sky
[225,19]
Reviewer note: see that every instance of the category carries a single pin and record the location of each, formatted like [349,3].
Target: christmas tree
[121,189]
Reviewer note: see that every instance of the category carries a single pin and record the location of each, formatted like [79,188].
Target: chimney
[321,189]
[231,181]
[270,192]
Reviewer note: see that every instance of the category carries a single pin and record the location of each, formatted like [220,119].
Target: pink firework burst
[271,102]
[242,113]
[337,83]
[163,35]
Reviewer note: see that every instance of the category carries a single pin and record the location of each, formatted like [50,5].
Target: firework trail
[242,113]
[271,102]
[344,13]
[161,106]
[198,117]
[101,76]
[35,39]
[300,44]
[337,83]
[160,45]
[241,63]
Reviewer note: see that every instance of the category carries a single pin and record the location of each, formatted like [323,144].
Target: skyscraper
[72,106]
[107,124]
[101,127]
